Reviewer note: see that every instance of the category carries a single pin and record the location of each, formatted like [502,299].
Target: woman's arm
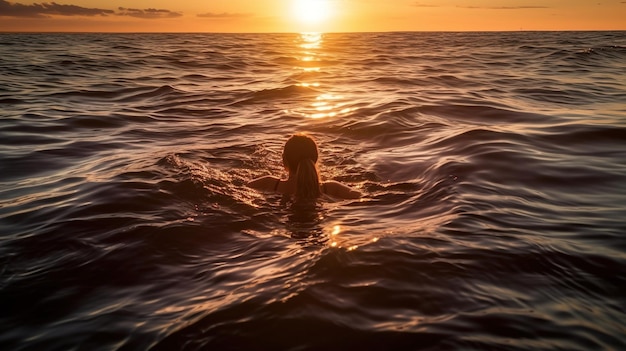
[342,191]
[266,183]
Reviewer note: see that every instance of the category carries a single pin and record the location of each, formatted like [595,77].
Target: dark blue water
[493,167]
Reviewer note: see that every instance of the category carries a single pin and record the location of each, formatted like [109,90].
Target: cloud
[223,15]
[148,13]
[418,4]
[47,9]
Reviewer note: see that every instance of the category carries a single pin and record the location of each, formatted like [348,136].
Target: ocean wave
[293,91]
[491,167]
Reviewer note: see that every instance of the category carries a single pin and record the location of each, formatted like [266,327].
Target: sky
[310,15]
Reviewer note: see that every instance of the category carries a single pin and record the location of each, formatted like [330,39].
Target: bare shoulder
[339,190]
[266,183]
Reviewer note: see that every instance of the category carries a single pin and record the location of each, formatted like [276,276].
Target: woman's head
[299,147]
[300,157]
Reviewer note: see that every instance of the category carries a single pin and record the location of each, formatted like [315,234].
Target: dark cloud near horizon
[47,9]
[148,13]
[223,15]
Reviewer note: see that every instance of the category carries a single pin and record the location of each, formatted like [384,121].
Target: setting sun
[310,12]
[297,16]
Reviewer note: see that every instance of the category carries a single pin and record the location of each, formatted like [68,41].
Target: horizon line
[322,32]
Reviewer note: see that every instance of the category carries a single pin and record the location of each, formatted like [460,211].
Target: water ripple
[492,167]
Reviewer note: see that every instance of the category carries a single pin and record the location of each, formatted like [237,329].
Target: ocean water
[493,167]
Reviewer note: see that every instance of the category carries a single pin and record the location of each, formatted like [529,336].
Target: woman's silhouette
[300,161]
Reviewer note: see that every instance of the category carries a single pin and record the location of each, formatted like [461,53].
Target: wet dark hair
[300,156]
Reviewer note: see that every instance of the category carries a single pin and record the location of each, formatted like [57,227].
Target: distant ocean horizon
[493,168]
[331,32]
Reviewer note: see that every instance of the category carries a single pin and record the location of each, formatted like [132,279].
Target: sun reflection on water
[310,40]
[347,242]
[335,231]
[311,62]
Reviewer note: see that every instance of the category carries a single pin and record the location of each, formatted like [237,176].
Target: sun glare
[311,12]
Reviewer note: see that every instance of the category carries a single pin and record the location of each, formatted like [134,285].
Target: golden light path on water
[326,104]
[333,102]
[312,61]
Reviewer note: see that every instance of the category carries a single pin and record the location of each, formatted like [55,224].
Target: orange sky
[323,15]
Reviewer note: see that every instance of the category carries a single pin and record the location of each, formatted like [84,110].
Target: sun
[310,12]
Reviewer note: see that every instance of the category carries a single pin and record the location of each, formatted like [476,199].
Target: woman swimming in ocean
[300,161]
